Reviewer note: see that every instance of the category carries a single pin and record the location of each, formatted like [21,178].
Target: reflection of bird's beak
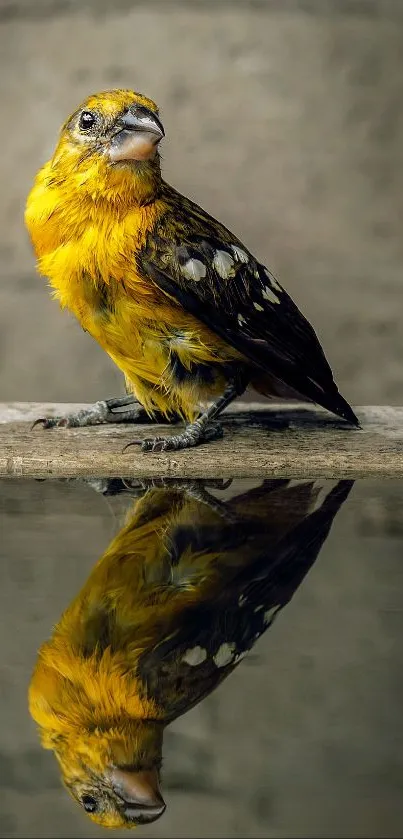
[138,137]
[140,794]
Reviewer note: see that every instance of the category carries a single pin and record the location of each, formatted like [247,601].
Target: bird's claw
[50,422]
[193,435]
[150,444]
[102,412]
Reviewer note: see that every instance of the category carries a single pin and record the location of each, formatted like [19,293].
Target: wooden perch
[260,441]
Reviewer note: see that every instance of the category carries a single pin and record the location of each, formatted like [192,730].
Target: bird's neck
[68,199]
[61,206]
[68,691]
[79,234]
[127,744]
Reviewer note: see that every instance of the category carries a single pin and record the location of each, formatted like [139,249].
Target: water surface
[304,737]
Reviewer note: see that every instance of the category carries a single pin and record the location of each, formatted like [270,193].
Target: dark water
[305,736]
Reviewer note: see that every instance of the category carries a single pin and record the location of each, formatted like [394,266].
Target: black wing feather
[242,610]
[250,310]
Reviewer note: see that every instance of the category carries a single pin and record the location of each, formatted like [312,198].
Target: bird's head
[114,775]
[110,144]
[109,758]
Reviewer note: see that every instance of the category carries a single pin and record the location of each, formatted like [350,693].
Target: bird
[178,302]
[179,597]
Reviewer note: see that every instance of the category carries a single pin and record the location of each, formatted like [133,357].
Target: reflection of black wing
[203,267]
[212,636]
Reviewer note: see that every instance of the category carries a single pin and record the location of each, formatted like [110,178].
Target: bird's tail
[296,553]
[336,403]
[328,397]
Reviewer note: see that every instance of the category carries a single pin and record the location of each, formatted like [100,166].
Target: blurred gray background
[283,118]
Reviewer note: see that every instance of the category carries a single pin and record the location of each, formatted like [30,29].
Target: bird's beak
[140,793]
[138,136]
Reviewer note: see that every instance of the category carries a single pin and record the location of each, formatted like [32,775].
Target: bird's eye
[89,803]
[87,120]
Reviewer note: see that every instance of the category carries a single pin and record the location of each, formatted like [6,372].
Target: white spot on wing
[270,614]
[241,600]
[194,270]
[240,656]
[225,654]
[258,608]
[258,307]
[240,254]
[241,320]
[272,279]
[268,294]
[223,263]
[194,656]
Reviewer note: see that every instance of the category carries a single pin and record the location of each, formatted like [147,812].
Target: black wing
[196,261]
[212,637]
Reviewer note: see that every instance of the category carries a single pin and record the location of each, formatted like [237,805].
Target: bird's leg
[100,413]
[201,430]
[195,488]
[199,492]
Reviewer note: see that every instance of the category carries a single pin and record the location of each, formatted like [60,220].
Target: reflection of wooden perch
[259,441]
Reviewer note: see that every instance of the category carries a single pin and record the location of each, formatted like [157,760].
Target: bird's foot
[98,414]
[195,433]
[182,484]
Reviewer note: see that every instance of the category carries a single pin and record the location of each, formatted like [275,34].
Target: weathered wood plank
[259,441]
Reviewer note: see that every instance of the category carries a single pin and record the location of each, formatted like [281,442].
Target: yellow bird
[181,594]
[178,302]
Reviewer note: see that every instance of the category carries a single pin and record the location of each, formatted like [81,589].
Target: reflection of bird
[181,594]
[178,302]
